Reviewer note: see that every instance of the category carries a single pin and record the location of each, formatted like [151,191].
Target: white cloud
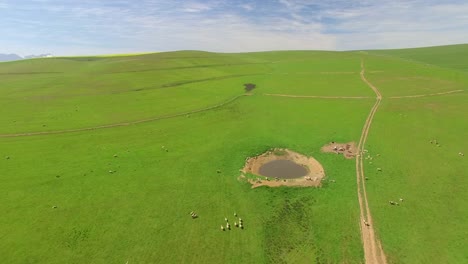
[91,27]
[399,24]
[231,33]
[286,3]
[247,7]
[294,5]
[195,7]
[395,40]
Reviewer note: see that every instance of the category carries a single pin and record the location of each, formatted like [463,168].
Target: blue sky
[79,27]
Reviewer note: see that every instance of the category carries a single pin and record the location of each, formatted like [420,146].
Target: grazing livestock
[222,228]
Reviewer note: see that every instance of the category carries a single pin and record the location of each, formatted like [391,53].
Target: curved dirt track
[122,124]
[373,251]
[317,96]
[425,95]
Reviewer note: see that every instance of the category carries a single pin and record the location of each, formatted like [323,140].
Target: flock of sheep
[395,203]
[239,224]
[228,226]
[434,141]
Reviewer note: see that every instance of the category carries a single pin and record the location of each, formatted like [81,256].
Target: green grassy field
[140,212]
[443,56]
[429,226]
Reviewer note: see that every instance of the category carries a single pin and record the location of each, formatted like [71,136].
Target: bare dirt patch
[315,172]
[348,150]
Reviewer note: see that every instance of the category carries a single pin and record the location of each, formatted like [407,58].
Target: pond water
[283,169]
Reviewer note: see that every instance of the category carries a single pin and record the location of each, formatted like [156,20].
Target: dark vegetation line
[23,73]
[174,84]
[123,123]
[166,85]
[187,67]
[93,58]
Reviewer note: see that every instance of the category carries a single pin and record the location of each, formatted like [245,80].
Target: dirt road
[425,95]
[25,134]
[318,96]
[373,251]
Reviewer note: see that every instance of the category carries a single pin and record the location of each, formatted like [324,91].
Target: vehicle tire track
[318,96]
[373,251]
[26,134]
[425,95]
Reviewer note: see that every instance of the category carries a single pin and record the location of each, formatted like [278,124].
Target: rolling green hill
[450,56]
[103,158]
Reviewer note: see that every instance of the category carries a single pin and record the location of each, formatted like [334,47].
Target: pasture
[132,144]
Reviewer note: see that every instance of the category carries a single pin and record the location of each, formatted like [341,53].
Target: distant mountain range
[13,57]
